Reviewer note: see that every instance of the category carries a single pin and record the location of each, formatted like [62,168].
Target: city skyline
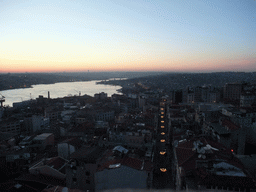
[171,36]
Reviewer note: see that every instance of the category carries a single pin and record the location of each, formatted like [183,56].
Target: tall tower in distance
[2,99]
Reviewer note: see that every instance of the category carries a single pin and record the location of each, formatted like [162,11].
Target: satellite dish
[208,147]
[195,146]
[202,150]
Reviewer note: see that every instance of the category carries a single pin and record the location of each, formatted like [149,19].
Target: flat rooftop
[43,136]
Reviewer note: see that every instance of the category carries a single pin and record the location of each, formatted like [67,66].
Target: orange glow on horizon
[22,66]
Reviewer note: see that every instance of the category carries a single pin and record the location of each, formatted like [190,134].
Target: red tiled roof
[56,162]
[184,154]
[148,166]
[44,179]
[177,136]
[230,125]
[201,172]
[104,161]
[149,116]
[132,162]
[187,158]
[106,164]
[148,127]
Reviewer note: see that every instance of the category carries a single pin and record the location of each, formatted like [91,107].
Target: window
[87,173]
[74,179]
[88,181]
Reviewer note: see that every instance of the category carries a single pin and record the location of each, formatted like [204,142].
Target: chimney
[48,94]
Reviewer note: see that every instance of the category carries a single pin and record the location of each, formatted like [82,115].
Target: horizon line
[66,72]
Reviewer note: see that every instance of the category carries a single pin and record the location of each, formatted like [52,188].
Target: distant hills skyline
[153,79]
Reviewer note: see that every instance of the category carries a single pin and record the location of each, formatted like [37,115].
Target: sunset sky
[127,35]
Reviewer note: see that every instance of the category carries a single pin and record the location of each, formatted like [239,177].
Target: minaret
[2,99]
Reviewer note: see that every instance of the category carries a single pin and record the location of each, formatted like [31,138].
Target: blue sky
[127,35]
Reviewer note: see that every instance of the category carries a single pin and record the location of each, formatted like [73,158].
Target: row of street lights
[162,133]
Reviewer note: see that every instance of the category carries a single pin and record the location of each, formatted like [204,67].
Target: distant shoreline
[31,86]
[58,90]
[26,80]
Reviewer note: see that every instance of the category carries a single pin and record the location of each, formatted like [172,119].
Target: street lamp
[163,169]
